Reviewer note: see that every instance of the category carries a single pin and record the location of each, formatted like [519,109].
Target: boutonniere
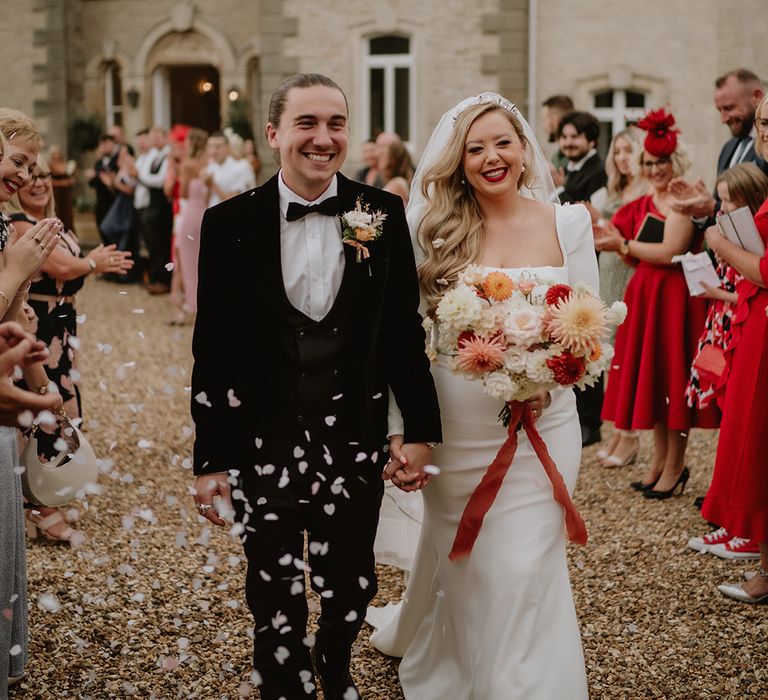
[361,226]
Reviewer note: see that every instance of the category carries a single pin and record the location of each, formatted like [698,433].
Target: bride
[499,624]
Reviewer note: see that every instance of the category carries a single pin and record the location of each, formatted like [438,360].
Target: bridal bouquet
[521,335]
[517,336]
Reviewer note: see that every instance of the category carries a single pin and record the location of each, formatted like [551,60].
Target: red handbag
[710,362]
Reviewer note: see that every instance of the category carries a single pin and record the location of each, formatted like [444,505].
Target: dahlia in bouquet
[520,335]
[517,336]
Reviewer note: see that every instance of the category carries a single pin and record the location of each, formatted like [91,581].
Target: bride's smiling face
[493,155]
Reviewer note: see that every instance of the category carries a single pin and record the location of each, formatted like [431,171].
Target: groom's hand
[207,487]
[406,464]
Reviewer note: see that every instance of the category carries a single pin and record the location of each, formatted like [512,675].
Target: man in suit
[584,175]
[296,343]
[157,216]
[577,136]
[737,94]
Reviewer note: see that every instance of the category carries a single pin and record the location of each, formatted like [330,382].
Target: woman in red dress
[656,344]
[738,496]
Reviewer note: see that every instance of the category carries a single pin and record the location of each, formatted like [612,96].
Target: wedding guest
[158,216]
[656,344]
[584,175]
[625,184]
[396,169]
[53,289]
[370,156]
[171,187]
[738,496]
[20,142]
[225,176]
[737,94]
[252,156]
[553,109]
[383,140]
[62,172]
[141,198]
[100,177]
[743,185]
[192,205]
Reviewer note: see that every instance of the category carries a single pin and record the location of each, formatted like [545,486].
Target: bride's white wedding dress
[499,624]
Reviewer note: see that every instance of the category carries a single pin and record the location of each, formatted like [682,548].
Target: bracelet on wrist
[91,263]
[5,298]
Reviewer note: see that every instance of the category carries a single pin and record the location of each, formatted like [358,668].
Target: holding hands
[406,464]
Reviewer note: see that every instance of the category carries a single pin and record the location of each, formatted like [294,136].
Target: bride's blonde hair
[452,213]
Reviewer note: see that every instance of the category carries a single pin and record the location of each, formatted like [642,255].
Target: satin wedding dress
[499,624]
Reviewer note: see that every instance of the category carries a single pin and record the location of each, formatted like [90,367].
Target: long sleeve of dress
[576,234]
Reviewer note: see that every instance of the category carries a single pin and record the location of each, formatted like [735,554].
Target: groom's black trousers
[331,490]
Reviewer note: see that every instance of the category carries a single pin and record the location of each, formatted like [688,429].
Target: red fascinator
[179,132]
[661,139]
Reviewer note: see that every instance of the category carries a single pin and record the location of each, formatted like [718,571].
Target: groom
[296,342]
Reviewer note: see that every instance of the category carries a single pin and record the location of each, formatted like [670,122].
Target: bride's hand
[538,402]
[406,464]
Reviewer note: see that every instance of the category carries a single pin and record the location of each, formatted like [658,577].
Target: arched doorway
[195,96]
[185,88]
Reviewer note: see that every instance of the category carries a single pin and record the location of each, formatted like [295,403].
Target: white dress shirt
[230,176]
[141,193]
[159,158]
[311,254]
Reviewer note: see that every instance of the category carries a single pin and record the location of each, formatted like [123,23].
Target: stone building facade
[138,62]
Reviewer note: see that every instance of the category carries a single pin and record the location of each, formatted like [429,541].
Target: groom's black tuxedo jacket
[241,317]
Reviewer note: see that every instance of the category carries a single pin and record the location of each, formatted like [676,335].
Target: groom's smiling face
[311,138]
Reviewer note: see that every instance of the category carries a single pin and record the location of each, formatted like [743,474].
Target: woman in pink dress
[192,205]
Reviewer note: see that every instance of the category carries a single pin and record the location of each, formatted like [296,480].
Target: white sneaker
[702,544]
[737,548]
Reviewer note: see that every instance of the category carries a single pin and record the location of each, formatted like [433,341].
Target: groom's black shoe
[344,690]
[589,436]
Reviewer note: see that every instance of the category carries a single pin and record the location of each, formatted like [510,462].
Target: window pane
[635,99]
[390,44]
[402,102]
[605,138]
[604,99]
[376,80]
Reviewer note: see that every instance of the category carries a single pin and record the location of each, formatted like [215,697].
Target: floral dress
[56,326]
[717,332]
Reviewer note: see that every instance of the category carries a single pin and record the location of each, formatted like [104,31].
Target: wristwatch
[432,445]
[624,247]
[91,263]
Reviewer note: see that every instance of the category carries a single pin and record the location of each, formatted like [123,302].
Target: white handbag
[59,481]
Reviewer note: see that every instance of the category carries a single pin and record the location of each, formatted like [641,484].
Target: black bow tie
[296,211]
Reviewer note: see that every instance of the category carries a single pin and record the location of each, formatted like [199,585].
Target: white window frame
[619,115]
[389,62]
[110,108]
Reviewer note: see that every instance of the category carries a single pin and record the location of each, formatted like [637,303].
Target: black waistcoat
[314,383]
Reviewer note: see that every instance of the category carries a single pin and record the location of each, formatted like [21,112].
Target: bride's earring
[522,168]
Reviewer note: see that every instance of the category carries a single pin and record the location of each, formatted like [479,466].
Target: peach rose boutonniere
[360,227]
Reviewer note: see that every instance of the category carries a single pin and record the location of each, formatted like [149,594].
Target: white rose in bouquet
[499,386]
[524,326]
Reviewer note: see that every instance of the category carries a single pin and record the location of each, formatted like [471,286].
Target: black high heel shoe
[640,486]
[682,480]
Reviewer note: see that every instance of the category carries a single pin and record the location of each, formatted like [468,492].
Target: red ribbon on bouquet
[483,496]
